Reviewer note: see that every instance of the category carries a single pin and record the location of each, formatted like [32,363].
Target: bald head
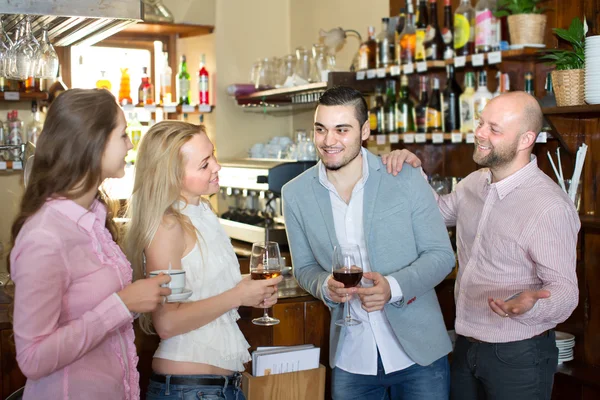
[525,109]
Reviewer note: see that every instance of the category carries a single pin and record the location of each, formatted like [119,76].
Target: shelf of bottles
[171,109]
[398,139]
[11,157]
[475,60]
[23,96]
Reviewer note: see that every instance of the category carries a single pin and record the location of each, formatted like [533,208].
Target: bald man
[516,237]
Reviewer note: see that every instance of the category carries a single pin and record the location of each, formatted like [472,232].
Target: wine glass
[5,45]
[346,269]
[47,59]
[265,263]
[25,53]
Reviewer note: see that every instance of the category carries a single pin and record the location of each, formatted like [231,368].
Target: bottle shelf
[172,109]
[433,138]
[566,110]
[590,222]
[476,60]
[11,166]
[23,96]
[283,95]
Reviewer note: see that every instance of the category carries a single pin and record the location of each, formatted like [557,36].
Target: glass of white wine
[265,263]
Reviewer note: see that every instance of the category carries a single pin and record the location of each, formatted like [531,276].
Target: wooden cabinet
[11,377]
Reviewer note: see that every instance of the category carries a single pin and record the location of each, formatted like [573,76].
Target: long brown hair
[68,155]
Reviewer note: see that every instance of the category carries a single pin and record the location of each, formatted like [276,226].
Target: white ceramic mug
[177,279]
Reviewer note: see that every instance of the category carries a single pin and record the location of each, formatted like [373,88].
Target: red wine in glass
[345,269]
[350,277]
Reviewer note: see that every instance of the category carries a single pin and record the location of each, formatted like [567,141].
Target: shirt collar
[323,180]
[79,215]
[510,183]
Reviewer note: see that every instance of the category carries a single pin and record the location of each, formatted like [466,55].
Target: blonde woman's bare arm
[172,319]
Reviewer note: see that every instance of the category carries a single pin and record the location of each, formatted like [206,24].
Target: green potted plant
[568,79]
[526,21]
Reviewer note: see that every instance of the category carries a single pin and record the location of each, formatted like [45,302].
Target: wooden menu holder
[301,385]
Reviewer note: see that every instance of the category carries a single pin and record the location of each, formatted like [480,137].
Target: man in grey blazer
[400,349]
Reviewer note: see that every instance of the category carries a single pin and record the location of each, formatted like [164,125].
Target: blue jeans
[431,382]
[169,391]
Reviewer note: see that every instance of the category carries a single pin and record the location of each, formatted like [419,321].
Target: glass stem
[266,313]
[348,318]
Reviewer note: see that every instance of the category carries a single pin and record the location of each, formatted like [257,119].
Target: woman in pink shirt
[74,301]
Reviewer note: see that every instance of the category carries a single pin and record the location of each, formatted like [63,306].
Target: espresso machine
[249,201]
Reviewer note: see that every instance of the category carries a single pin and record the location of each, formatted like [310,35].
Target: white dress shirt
[358,353]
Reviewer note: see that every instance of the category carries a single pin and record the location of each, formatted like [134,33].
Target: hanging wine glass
[11,62]
[47,59]
[24,53]
[5,45]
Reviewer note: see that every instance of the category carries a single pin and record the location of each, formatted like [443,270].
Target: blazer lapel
[370,194]
[322,196]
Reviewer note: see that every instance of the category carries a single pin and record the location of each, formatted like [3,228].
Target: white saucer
[174,298]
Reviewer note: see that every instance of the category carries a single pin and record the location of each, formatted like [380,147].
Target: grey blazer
[406,238]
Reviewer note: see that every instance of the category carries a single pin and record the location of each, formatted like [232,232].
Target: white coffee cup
[177,283]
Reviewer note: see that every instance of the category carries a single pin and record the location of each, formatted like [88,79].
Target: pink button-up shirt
[516,234]
[74,336]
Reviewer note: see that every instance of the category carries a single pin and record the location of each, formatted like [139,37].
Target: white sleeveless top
[211,268]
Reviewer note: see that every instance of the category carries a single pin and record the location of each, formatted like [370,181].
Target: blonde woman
[202,350]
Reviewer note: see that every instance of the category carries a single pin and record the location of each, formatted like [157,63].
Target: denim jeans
[417,382]
[521,370]
[168,391]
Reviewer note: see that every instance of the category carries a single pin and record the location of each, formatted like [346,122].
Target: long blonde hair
[159,172]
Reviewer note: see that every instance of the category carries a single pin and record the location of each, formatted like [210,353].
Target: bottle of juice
[125,88]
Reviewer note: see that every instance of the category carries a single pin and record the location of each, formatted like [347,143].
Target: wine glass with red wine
[346,269]
[265,263]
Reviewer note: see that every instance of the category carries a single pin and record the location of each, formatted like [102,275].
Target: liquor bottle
[481,97]
[103,83]
[434,109]
[434,43]
[467,105]
[451,102]
[549,100]
[529,84]
[35,125]
[376,113]
[390,108]
[399,29]
[15,134]
[125,88]
[447,31]
[421,107]
[166,91]
[408,38]
[203,93]
[376,117]
[385,46]
[367,53]
[183,83]
[57,87]
[134,130]
[405,109]
[486,26]
[464,29]
[422,22]
[503,84]
[146,90]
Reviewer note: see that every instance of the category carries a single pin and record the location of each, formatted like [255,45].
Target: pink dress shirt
[73,334]
[516,234]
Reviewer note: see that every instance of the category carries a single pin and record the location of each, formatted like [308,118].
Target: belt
[194,380]
[473,340]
